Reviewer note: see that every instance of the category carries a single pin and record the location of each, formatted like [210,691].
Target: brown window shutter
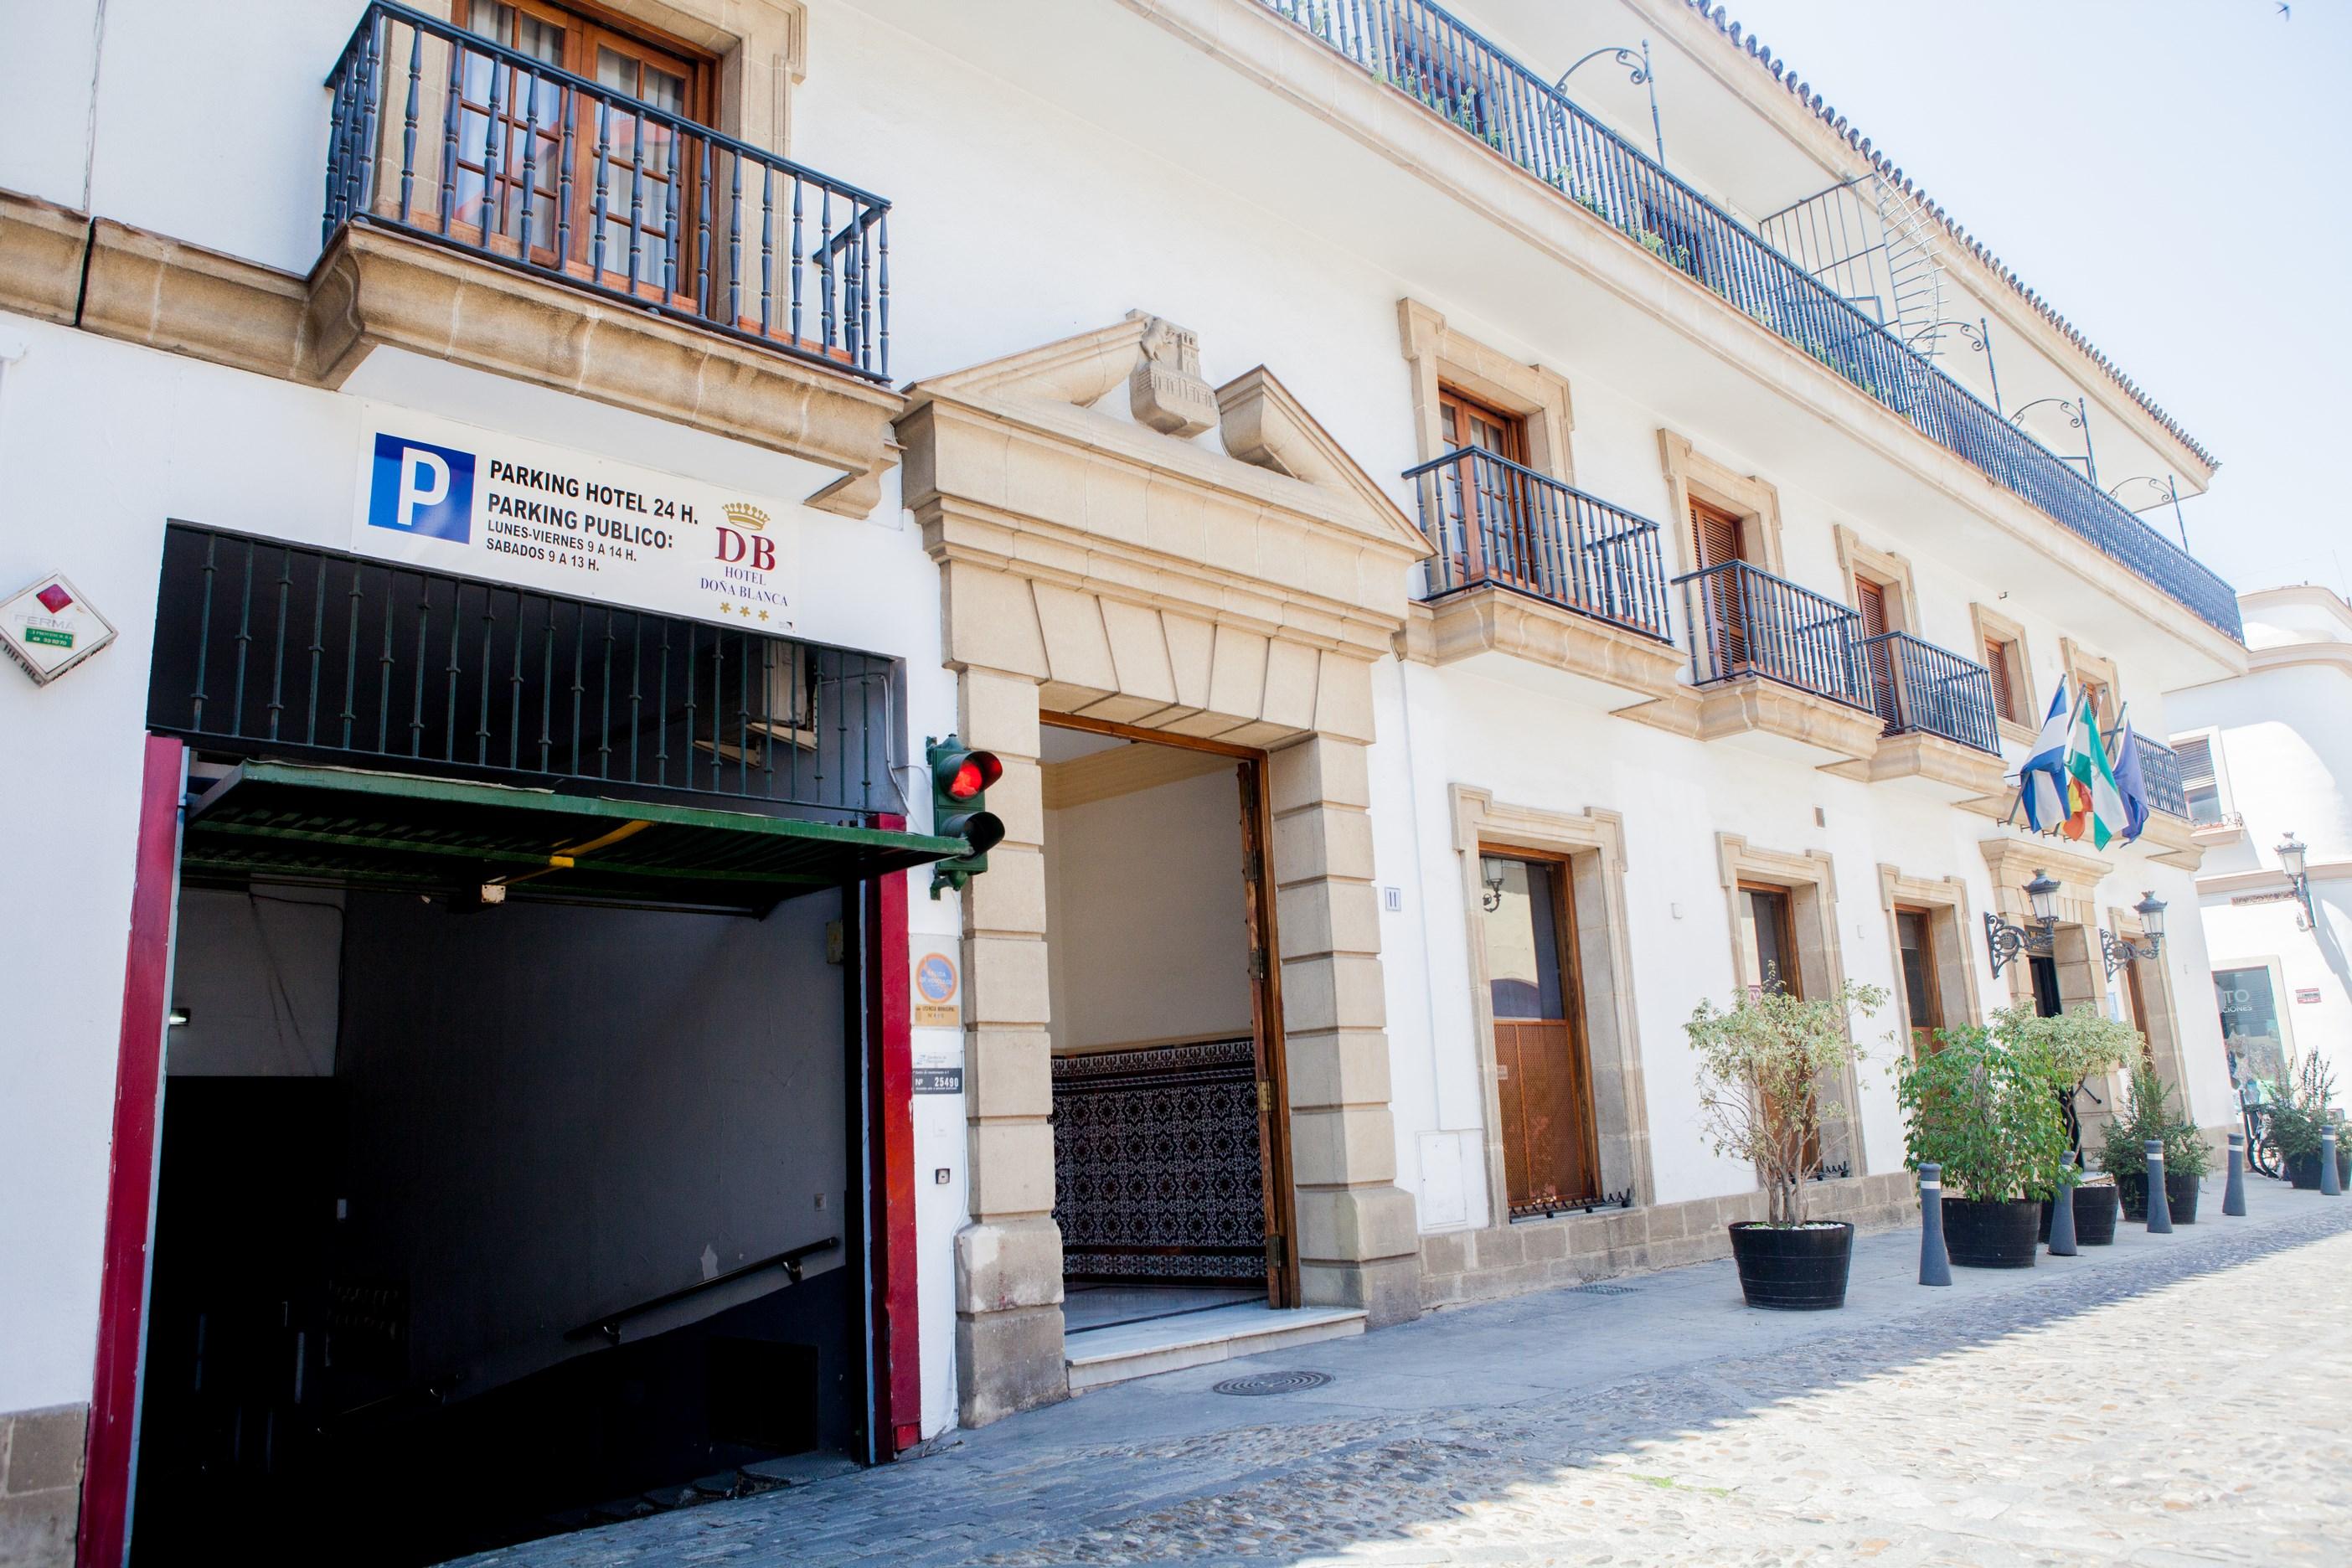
[1715,534]
[2004,683]
[1871,600]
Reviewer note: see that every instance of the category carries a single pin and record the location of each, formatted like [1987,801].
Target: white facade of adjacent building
[1605,611]
[2267,757]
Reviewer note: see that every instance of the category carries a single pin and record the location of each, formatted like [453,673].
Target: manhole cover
[1274,1383]
[1603,1290]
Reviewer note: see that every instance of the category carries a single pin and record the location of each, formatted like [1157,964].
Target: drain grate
[1602,1289]
[1274,1383]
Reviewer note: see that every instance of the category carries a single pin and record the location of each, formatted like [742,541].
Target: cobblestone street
[2169,1400]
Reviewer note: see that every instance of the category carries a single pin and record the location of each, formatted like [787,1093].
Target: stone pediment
[1276,453]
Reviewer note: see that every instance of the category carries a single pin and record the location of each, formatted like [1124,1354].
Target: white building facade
[1607,586]
[2264,756]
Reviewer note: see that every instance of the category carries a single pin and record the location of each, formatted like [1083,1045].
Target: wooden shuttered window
[1716,537]
[1869,603]
[2001,658]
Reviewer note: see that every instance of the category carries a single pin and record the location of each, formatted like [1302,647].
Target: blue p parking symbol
[420,489]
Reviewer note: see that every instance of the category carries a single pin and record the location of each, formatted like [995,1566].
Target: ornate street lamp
[2115,952]
[1642,75]
[1490,877]
[2007,941]
[2290,855]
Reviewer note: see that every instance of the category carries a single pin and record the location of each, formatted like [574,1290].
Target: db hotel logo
[746,544]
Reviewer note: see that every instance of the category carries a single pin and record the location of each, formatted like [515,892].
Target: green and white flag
[2095,806]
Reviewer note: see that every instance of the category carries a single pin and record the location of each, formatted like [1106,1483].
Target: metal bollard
[2062,1211]
[2331,1185]
[2233,1197]
[2159,1207]
[1935,1263]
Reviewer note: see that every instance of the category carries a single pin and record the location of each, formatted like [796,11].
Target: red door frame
[898,1391]
[103,1535]
[105,1530]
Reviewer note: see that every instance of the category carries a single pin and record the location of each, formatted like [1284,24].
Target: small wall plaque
[49,627]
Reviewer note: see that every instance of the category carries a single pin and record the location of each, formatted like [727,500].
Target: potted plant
[2299,1116]
[1762,1065]
[1983,1111]
[2149,1114]
[2074,1047]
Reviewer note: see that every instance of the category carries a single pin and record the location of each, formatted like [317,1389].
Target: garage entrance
[518,1166]
[1171,1175]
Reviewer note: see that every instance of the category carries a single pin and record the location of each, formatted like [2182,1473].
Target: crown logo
[743,514]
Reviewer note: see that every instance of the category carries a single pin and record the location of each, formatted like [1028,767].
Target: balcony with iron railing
[1918,687]
[1745,621]
[443,135]
[1499,523]
[1423,52]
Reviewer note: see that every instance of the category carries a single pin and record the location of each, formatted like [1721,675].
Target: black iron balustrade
[1493,520]
[1744,621]
[1917,687]
[267,648]
[2159,771]
[1424,50]
[439,132]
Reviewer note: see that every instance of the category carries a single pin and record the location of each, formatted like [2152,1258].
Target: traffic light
[959,780]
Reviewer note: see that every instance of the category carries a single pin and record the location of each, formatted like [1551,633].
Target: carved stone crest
[1165,388]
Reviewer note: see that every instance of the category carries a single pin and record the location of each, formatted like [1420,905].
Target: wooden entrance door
[2140,1012]
[1265,1028]
[1542,1069]
[1922,1001]
[1717,538]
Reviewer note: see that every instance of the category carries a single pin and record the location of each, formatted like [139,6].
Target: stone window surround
[1593,841]
[1890,572]
[1951,927]
[1810,881]
[1992,627]
[1692,475]
[2080,664]
[1437,355]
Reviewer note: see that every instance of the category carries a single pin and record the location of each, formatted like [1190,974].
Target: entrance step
[1115,1354]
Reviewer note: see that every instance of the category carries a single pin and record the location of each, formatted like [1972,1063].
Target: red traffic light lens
[967,781]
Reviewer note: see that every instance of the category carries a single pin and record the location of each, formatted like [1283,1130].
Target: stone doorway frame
[1266,980]
[1122,570]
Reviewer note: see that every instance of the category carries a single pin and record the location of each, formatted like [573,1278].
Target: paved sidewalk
[2168,1400]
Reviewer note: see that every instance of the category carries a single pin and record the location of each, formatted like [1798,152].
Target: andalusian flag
[2094,805]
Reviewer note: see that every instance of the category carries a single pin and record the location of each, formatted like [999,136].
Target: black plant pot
[2179,1196]
[2094,1216]
[1793,1268]
[1991,1235]
[2302,1170]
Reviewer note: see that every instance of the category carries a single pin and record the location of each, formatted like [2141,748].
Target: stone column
[1359,1244]
[1008,1258]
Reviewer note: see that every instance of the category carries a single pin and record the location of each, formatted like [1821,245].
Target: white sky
[2173,176]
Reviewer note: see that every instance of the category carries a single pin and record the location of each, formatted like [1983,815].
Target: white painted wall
[1035,198]
[1145,914]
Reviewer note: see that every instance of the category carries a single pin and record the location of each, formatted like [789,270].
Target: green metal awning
[401,832]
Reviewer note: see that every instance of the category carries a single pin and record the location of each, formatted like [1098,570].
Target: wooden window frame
[1507,509]
[1691,475]
[588,28]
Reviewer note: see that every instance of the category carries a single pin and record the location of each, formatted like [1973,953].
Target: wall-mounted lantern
[2007,941]
[2116,952]
[1490,877]
[2292,861]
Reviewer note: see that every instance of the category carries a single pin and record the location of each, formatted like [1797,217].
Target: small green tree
[1984,1112]
[2299,1110]
[2149,1113]
[1762,1065]
[2072,1048]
